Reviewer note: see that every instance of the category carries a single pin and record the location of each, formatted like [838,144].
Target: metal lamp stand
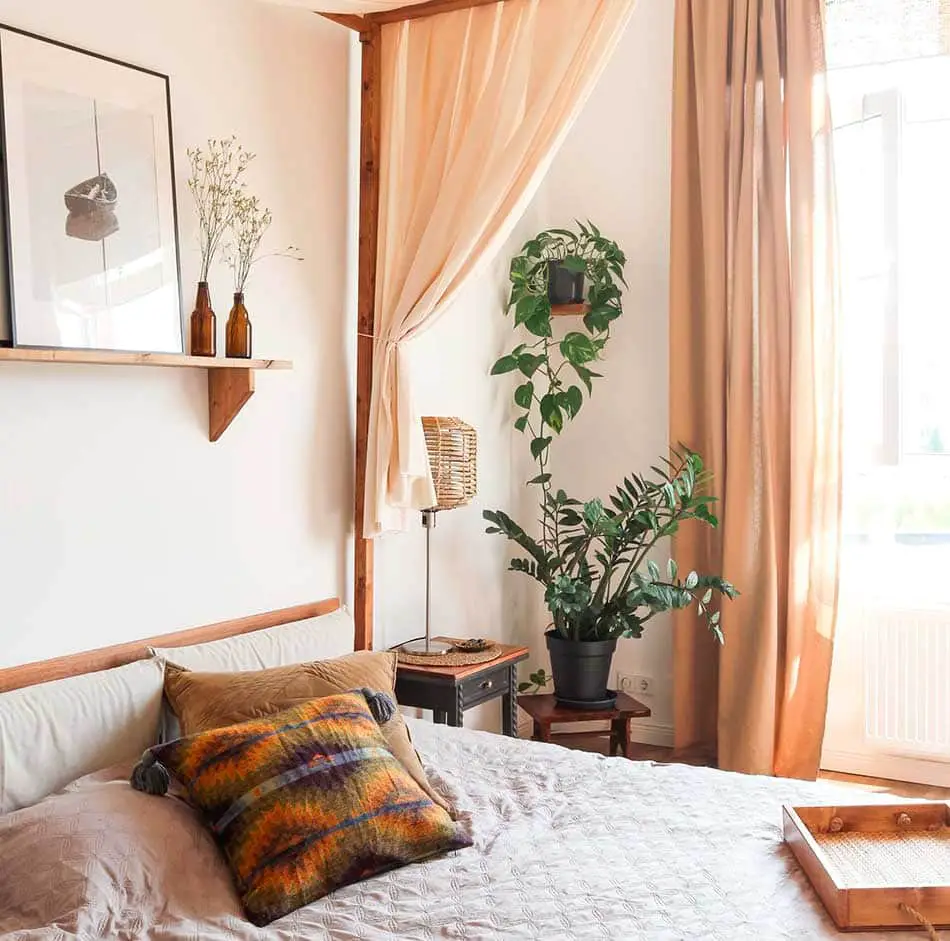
[428,647]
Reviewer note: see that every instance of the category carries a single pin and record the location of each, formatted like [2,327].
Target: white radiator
[907,682]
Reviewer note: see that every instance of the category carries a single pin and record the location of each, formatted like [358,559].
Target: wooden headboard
[105,658]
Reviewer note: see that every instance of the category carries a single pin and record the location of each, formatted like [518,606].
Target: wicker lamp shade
[452,447]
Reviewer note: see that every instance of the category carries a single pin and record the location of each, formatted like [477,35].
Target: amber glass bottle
[238,332]
[203,324]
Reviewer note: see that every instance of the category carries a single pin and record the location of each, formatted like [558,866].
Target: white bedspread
[568,845]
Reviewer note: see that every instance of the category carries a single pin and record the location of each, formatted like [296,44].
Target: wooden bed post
[370,119]
[366,321]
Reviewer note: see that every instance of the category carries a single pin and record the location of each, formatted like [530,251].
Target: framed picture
[89,200]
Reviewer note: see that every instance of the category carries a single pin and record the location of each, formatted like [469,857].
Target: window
[892,154]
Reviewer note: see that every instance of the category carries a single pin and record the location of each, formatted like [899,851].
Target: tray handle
[926,925]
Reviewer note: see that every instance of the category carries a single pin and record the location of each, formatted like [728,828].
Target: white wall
[118,518]
[614,168]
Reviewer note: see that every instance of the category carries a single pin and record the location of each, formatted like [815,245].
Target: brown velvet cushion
[204,701]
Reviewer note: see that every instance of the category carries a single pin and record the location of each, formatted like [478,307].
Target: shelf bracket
[228,392]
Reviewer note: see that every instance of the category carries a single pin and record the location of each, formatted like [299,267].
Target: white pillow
[321,638]
[53,733]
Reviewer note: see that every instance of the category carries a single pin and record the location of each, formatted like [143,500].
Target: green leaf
[692,580]
[654,570]
[524,687]
[578,349]
[598,319]
[538,446]
[571,400]
[529,364]
[671,570]
[540,479]
[521,423]
[526,308]
[503,365]
[707,597]
[518,270]
[551,412]
[593,511]
[574,264]
[586,375]
[524,395]
[715,618]
[539,323]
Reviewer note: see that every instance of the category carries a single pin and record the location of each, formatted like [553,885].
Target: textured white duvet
[568,845]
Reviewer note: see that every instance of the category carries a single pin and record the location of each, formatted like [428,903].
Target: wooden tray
[868,862]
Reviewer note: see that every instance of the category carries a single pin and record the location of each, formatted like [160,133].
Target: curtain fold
[474,105]
[755,378]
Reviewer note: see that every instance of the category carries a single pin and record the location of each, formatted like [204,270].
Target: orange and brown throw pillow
[304,801]
[203,701]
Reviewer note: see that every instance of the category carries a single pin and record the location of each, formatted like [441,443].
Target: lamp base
[421,648]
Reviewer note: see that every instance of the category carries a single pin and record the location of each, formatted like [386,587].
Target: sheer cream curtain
[755,383]
[474,105]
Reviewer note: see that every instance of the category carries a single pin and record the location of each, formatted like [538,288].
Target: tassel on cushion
[380,705]
[150,776]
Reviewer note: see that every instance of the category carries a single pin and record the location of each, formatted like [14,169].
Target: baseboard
[890,767]
[652,733]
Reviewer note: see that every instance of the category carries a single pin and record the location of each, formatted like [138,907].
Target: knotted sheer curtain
[755,379]
[474,105]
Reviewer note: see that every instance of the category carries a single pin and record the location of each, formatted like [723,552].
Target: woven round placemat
[454,658]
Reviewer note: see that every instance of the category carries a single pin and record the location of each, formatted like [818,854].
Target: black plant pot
[564,287]
[581,669]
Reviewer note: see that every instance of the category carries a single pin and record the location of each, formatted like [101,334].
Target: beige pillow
[53,733]
[319,638]
[102,860]
[204,701]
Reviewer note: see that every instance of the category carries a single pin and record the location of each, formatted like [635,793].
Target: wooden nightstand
[449,691]
[545,711]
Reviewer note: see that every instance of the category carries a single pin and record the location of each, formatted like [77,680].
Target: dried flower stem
[217,187]
[249,223]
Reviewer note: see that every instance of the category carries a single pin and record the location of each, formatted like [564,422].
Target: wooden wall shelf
[569,310]
[230,381]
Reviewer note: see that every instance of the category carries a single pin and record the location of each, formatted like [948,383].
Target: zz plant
[592,557]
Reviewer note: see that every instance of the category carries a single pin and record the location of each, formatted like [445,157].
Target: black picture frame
[170,243]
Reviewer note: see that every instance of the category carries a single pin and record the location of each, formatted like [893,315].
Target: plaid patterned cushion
[304,801]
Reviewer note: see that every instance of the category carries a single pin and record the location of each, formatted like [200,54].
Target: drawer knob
[486,684]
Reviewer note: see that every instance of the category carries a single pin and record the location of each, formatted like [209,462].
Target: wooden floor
[880,785]
[883,786]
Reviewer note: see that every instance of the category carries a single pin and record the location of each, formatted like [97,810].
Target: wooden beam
[429,8]
[370,121]
[346,19]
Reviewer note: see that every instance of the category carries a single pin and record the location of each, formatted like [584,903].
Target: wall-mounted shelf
[230,381]
[569,310]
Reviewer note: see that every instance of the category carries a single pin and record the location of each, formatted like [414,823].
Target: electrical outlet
[635,684]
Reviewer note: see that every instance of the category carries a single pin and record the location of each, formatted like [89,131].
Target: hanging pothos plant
[601,262]
[592,557]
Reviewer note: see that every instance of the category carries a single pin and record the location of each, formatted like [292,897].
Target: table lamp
[451,445]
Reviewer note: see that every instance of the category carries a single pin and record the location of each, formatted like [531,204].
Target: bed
[567,845]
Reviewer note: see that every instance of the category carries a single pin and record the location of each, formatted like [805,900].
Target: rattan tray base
[454,658]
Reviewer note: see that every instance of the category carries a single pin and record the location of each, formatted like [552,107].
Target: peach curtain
[474,106]
[755,374]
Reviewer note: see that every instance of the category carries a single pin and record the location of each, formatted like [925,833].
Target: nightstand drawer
[485,686]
